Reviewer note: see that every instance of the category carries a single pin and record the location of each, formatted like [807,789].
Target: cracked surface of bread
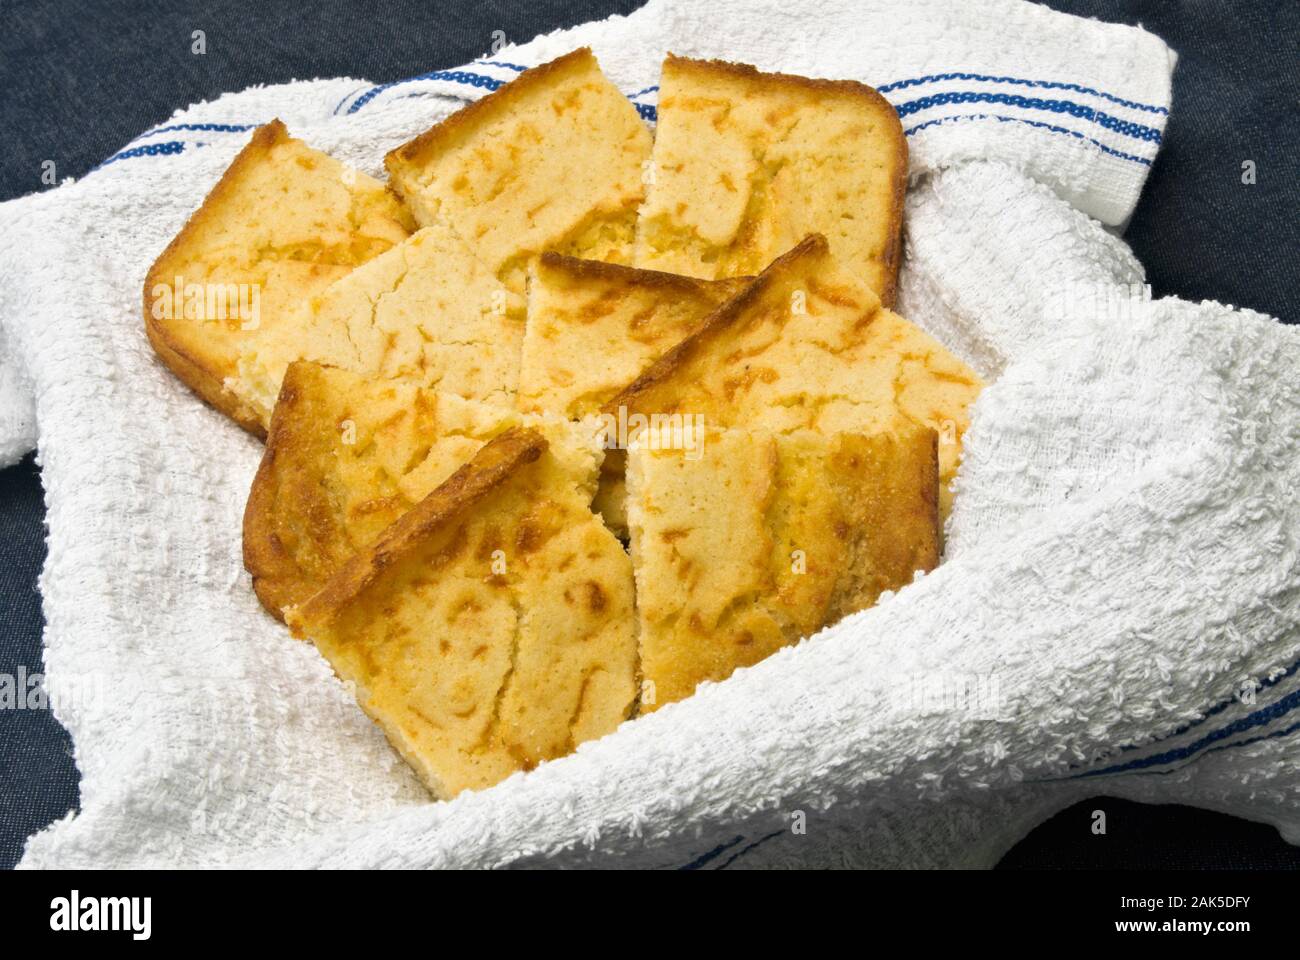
[491,627]
[808,346]
[347,456]
[593,327]
[426,310]
[551,161]
[746,164]
[284,219]
[764,539]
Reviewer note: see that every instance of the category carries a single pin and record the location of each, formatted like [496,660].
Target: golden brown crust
[191,370]
[663,369]
[416,152]
[846,88]
[274,572]
[619,273]
[492,466]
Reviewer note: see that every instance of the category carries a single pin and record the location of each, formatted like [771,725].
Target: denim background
[81,79]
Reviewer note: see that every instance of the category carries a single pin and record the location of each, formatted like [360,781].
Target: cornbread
[593,327]
[552,161]
[426,310]
[764,539]
[347,456]
[283,222]
[808,347]
[746,164]
[491,627]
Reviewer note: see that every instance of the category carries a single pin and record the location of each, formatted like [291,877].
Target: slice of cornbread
[283,222]
[746,164]
[808,346]
[593,327]
[764,539]
[491,627]
[347,456]
[426,310]
[552,161]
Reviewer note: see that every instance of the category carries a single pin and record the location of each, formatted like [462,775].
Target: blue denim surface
[82,79]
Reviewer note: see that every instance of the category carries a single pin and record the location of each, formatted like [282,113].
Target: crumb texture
[286,220]
[552,161]
[746,164]
[809,347]
[491,628]
[758,540]
[348,456]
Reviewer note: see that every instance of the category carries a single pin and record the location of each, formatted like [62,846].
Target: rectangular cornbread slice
[491,627]
[593,327]
[758,540]
[746,164]
[282,223]
[426,310]
[809,347]
[551,161]
[346,456]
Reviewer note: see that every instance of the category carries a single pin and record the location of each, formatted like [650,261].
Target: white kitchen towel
[1117,611]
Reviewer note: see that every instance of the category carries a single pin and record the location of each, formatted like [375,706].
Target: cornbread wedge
[426,310]
[594,327]
[283,222]
[347,456]
[491,627]
[746,164]
[765,539]
[551,161]
[808,346]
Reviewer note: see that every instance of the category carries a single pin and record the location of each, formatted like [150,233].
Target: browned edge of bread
[491,467]
[208,384]
[621,273]
[502,99]
[813,245]
[852,88]
[265,558]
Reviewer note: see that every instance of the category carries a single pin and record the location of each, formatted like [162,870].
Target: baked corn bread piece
[759,540]
[346,456]
[426,310]
[809,347]
[491,627]
[552,161]
[593,327]
[283,222]
[746,164]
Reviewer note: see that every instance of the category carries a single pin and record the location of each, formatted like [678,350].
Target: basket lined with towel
[1117,607]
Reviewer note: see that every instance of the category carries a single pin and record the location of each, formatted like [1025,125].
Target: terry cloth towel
[1117,611]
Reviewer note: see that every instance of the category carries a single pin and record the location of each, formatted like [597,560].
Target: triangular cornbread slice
[282,223]
[746,164]
[426,310]
[808,346]
[593,327]
[756,540]
[491,627]
[347,456]
[552,161]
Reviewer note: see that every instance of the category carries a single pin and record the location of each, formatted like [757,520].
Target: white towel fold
[1117,611]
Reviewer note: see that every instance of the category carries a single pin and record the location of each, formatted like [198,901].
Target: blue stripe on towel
[148,150]
[1040,84]
[1033,123]
[1127,128]
[1257,719]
